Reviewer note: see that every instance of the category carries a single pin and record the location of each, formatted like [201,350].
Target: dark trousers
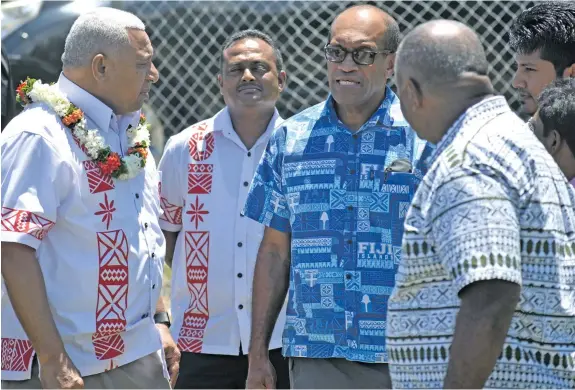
[204,371]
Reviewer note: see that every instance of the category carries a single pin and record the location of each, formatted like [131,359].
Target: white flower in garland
[93,143]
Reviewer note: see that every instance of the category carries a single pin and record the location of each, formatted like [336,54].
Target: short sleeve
[266,202]
[35,181]
[476,227]
[171,193]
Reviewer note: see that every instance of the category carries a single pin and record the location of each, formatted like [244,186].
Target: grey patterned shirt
[493,205]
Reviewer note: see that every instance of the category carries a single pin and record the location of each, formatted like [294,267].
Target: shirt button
[146,225]
[355,136]
[348,276]
[240,244]
[350,241]
[240,275]
[153,255]
[153,286]
[249,154]
[240,307]
[246,184]
[137,196]
[350,208]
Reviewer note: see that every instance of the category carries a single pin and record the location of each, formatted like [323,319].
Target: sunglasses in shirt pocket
[395,190]
[398,170]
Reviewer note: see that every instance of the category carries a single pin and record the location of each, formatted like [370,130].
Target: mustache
[525,93]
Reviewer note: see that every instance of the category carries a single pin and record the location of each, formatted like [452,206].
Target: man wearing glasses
[332,190]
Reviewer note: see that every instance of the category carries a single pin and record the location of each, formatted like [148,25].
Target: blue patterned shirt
[331,190]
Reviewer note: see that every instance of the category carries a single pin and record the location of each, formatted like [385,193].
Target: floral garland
[32,91]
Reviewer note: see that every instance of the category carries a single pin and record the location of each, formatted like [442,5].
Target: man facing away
[484,291]
[211,246]
[543,38]
[332,190]
[82,250]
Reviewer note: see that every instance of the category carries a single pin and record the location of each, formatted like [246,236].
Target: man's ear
[282,80]
[569,71]
[99,67]
[414,94]
[221,84]
[553,141]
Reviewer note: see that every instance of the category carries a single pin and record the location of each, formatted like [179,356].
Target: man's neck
[249,125]
[567,164]
[452,110]
[357,116]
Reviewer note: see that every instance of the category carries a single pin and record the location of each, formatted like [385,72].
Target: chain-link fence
[188,36]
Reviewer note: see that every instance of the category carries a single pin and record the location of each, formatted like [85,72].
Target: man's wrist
[258,353]
[56,354]
[162,318]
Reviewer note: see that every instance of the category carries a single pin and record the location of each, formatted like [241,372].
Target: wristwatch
[162,318]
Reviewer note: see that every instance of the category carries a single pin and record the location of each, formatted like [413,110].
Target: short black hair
[557,109]
[253,34]
[549,27]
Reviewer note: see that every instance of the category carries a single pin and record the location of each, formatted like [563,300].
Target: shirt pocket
[390,200]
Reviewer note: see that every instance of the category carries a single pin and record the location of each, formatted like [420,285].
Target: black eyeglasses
[337,54]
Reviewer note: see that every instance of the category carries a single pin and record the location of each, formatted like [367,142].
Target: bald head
[441,52]
[370,20]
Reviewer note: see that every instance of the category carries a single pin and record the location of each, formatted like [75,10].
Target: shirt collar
[223,123]
[93,107]
[388,114]
[478,113]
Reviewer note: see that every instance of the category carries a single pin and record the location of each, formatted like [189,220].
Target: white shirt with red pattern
[97,239]
[206,173]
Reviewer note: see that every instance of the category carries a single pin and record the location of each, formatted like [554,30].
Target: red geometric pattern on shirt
[112,294]
[16,354]
[196,317]
[97,181]
[200,178]
[22,221]
[201,145]
[172,213]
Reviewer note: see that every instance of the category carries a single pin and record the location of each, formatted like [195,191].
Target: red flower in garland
[111,164]
[73,118]
[142,151]
[22,93]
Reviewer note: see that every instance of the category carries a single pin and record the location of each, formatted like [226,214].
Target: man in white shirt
[210,245]
[82,251]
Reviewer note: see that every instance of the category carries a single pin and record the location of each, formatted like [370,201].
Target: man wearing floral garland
[82,251]
[210,245]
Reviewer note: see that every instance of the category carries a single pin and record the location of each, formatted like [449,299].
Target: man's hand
[60,373]
[172,353]
[261,374]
